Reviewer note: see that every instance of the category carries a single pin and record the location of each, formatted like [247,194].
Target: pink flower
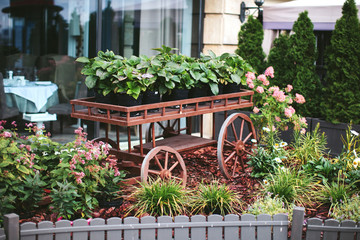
[59,218]
[1,127]
[251,86]
[262,77]
[13,123]
[272,89]
[273,129]
[250,75]
[7,134]
[249,81]
[278,119]
[286,128]
[260,89]
[279,95]
[289,112]
[303,120]
[266,83]
[290,101]
[256,110]
[299,98]
[269,72]
[288,88]
[303,131]
[28,147]
[29,124]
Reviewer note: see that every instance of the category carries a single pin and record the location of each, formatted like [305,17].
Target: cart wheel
[104,140]
[165,131]
[234,143]
[163,162]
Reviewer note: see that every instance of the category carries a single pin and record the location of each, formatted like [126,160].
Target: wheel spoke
[173,124]
[247,137]
[178,178]
[166,160]
[162,126]
[234,131]
[154,171]
[228,142]
[158,162]
[173,166]
[230,156]
[247,151]
[241,128]
[234,166]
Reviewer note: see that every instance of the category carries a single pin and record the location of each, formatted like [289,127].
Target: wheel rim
[234,143]
[164,162]
[167,130]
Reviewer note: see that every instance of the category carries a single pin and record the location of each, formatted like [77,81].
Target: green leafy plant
[251,36]
[160,197]
[268,205]
[309,146]
[265,161]
[215,198]
[348,209]
[290,186]
[323,168]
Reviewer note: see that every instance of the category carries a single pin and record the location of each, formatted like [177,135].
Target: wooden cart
[160,154]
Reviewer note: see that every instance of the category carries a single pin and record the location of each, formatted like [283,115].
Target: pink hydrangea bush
[273,110]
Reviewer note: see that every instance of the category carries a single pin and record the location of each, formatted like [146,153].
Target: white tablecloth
[36,93]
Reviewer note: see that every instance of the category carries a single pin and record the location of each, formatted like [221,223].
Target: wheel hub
[169,132]
[165,174]
[240,147]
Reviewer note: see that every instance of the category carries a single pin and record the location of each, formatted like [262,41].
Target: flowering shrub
[273,110]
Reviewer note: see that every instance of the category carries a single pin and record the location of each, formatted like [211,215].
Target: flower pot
[176,94]
[150,97]
[199,92]
[108,99]
[221,91]
[231,88]
[126,100]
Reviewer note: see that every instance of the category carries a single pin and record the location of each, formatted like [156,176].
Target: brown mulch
[201,166]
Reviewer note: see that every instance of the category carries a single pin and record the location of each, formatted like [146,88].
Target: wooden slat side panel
[28,226]
[183,232]
[215,233]
[331,235]
[148,234]
[63,224]
[46,225]
[248,232]
[80,235]
[312,234]
[347,235]
[131,234]
[281,231]
[164,233]
[231,233]
[198,233]
[264,232]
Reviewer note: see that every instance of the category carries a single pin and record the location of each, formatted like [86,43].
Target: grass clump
[160,197]
[215,198]
[348,209]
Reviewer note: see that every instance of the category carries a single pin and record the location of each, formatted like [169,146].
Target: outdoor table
[33,97]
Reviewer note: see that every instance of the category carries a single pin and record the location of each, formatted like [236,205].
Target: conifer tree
[342,81]
[302,56]
[250,39]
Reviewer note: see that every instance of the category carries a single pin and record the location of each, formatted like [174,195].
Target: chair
[64,109]
[5,111]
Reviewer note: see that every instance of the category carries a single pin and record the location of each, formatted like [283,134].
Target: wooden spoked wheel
[166,130]
[106,140]
[163,162]
[234,143]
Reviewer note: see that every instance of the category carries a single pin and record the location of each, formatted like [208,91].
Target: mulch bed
[201,165]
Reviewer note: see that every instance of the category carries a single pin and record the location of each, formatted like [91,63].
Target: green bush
[214,198]
[160,197]
[348,209]
[250,39]
[342,100]
[268,205]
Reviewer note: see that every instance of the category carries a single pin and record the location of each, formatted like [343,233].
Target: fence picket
[358,233]
[231,233]
[198,233]
[2,234]
[164,233]
[331,235]
[280,232]
[313,234]
[215,233]
[264,232]
[148,234]
[347,235]
[114,234]
[28,226]
[248,232]
[45,225]
[80,235]
[131,234]
[97,235]
[63,224]
[181,233]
